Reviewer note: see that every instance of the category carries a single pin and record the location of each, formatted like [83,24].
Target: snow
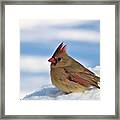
[52,93]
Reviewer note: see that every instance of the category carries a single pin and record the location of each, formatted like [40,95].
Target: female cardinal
[69,75]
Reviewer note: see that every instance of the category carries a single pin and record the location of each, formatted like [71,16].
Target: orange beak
[52,60]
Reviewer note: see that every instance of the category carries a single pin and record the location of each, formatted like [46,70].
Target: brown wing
[83,78]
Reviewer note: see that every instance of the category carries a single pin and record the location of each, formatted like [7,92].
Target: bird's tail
[97,79]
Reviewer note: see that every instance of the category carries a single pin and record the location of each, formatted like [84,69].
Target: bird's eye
[59,59]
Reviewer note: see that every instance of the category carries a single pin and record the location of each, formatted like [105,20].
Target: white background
[104,106]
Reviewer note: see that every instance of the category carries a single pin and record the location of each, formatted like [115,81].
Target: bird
[68,75]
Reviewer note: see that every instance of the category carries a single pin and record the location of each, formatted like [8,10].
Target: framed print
[60,60]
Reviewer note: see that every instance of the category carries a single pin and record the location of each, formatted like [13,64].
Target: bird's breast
[56,75]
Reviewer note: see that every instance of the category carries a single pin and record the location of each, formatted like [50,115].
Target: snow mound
[52,93]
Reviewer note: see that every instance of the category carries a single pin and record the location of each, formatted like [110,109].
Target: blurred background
[39,39]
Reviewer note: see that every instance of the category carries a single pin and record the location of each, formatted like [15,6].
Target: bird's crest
[61,48]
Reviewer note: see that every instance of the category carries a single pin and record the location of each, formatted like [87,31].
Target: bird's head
[60,57]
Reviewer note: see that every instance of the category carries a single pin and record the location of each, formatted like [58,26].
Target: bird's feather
[82,78]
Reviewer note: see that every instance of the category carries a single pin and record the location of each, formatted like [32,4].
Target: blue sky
[39,39]
[79,50]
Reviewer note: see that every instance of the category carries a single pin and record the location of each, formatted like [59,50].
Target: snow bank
[52,93]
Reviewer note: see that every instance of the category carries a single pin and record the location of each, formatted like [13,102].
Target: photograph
[59,59]
[60,54]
